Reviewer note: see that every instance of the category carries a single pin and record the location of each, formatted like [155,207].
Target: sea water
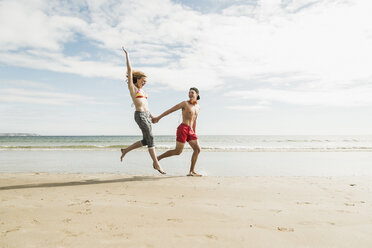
[207,142]
[220,155]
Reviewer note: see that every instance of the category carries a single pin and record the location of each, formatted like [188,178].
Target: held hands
[155,119]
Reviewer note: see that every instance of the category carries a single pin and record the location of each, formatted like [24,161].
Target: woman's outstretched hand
[124,49]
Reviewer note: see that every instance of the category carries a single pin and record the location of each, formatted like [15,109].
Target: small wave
[204,148]
[333,149]
[77,147]
[303,140]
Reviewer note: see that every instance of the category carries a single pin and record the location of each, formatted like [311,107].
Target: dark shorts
[143,120]
[185,133]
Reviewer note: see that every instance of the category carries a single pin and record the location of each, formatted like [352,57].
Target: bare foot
[123,152]
[193,174]
[158,168]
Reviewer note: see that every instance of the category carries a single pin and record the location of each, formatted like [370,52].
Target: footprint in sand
[172,204]
[343,211]
[286,229]
[276,210]
[34,221]
[3,234]
[349,204]
[86,212]
[175,220]
[68,220]
[210,236]
[260,226]
[112,227]
[303,203]
[70,234]
[86,202]
[211,204]
[121,235]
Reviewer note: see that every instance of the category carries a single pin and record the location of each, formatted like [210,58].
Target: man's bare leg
[133,146]
[195,146]
[155,164]
[177,151]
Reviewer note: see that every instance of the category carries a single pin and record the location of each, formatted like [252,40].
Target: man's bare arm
[171,110]
[194,124]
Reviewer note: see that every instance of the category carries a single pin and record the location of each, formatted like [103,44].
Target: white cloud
[248,107]
[59,63]
[16,95]
[240,10]
[25,24]
[26,84]
[359,96]
[319,43]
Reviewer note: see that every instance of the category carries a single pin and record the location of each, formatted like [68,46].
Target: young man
[186,130]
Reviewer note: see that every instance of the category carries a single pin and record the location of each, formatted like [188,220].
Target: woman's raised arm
[131,86]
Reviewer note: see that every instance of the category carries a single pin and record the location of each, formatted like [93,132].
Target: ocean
[220,155]
[245,143]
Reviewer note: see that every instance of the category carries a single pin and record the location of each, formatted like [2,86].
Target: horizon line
[38,135]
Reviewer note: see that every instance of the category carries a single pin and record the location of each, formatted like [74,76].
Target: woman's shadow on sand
[87,182]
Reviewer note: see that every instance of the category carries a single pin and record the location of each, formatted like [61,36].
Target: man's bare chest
[190,111]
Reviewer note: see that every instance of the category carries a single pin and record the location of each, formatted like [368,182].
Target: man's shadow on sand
[87,182]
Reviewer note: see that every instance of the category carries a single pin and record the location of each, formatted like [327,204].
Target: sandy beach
[115,210]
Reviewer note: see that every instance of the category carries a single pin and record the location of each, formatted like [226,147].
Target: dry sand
[112,210]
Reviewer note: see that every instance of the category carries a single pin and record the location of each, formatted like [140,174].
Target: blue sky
[262,67]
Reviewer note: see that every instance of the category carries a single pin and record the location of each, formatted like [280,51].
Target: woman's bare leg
[155,164]
[133,146]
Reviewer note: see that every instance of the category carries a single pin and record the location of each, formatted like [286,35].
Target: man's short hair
[197,92]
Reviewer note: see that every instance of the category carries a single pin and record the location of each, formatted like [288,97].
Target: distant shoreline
[167,135]
[18,134]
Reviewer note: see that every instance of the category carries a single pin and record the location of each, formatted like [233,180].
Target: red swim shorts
[185,133]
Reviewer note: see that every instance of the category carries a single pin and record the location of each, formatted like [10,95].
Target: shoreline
[209,163]
[186,148]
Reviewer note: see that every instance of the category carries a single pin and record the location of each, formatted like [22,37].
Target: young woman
[143,117]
